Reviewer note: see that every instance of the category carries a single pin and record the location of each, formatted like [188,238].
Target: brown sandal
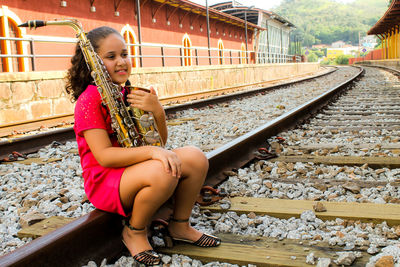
[145,258]
[204,241]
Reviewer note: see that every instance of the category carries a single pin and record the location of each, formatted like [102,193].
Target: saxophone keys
[133,134]
[146,120]
[152,137]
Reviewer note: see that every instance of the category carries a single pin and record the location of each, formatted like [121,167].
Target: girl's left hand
[147,101]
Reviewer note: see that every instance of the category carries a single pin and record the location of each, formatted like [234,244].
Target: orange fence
[373,55]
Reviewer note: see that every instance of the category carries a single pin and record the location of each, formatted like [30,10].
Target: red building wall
[154,27]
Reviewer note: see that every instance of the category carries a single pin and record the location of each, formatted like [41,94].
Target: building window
[243,54]
[9,29]
[187,51]
[130,40]
[221,52]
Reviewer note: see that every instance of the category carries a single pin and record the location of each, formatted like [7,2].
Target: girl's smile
[114,54]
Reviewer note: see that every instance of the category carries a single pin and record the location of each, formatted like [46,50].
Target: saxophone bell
[144,121]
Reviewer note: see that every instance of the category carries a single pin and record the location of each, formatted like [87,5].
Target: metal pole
[281,57]
[245,30]
[208,34]
[289,49]
[33,55]
[181,56]
[267,40]
[139,31]
[162,56]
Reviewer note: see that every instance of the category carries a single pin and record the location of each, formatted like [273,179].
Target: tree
[343,59]
[312,57]
[327,21]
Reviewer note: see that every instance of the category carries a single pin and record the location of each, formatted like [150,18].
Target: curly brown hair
[78,76]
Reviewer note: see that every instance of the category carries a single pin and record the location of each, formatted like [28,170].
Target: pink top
[101,183]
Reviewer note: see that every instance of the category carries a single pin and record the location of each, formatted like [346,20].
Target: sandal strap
[127,224]
[148,257]
[179,221]
[207,240]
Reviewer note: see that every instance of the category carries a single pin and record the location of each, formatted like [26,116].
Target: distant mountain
[327,21]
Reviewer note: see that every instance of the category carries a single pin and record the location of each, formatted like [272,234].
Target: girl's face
[114,54]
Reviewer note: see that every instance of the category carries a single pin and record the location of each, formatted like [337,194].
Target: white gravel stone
[310,259]
[392,250]
[323,262]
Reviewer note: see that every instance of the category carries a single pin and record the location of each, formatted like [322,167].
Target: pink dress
[101,183]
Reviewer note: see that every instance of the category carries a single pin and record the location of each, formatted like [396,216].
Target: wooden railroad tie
[44,227]
[285,208]
[373,162]
[331,146]
[261,251]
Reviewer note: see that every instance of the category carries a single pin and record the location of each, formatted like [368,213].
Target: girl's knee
[198,157]
[193,157]
[159,178]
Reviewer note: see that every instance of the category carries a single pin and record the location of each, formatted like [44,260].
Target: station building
[159,32]
[387,29]
[176,46]
[272,42]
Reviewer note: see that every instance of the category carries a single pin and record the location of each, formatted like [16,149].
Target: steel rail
[97,235]
[32,143]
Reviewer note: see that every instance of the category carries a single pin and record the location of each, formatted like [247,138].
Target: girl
[133,182]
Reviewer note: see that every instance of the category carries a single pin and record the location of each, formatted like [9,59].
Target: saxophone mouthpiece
[33,24]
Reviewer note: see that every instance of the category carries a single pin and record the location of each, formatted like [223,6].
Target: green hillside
[327,21]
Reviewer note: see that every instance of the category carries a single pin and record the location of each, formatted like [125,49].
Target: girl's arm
[114,157]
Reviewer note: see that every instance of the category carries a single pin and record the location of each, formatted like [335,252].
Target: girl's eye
[124,55]
[110,56]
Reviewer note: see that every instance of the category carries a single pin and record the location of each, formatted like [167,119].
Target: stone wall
[33,95]
[29,96]
[389,63]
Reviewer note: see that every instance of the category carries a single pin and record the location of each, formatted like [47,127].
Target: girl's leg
[194,171]
[145,186]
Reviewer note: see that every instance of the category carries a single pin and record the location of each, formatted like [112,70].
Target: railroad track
[16,130]
[221,163]
[27,137]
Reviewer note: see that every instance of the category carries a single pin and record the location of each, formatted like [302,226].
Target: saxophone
[133,127]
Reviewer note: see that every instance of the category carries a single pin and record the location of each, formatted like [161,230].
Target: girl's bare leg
[194,171]
[146,186]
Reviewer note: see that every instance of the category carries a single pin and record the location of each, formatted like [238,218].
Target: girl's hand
[147,101]
[169,159]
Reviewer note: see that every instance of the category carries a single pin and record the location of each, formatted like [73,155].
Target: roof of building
[252,14]
[212,13]
[388,21]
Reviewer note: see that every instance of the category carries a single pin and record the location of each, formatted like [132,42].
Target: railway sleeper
[264,251]
[285,209]
[267,251]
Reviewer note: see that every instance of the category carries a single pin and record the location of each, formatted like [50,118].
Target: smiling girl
[133,182]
